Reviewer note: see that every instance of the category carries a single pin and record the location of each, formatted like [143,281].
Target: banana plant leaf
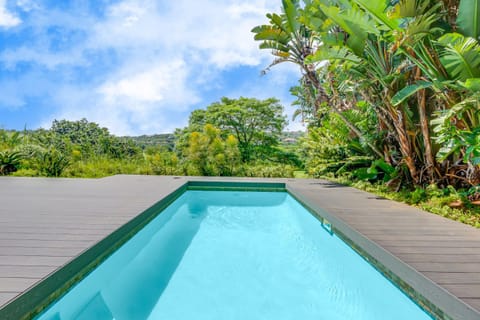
[468,19]
[410,90]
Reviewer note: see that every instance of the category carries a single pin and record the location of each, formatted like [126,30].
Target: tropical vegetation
[402,78]
[232,137]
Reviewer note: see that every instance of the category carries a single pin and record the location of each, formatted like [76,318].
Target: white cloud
[136,99]
[217,33]
[7,19]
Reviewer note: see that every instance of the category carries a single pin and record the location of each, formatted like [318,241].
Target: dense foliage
[403,78]
[59,150]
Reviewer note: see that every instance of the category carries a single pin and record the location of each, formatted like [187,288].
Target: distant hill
[155,140]
[291,137]
[168,139]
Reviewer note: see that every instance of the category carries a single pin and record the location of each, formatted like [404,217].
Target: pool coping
[432,297]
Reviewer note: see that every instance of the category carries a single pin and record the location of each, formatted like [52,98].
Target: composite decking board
[71,215]
[31,271]
[445,266]
[7,296]
[29,243]
[86,236]
[30,251]
[46,236]
[454,278]
[62,231]
[428,250]
[426,242]
[438,258]
[475,302]
[11,284]
[44,260]
[411,236]
[464,290]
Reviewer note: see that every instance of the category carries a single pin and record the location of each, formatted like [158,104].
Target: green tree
[293,36]
[208,154]
[89,139]
[256,124]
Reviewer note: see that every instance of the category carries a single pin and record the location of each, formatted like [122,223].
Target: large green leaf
[358,36]
[473,84]
[468,19]
[461,57]
[408,91]
[267,32]
[290,8]
[378,10]
[333,53]
[277,21]
[274,45]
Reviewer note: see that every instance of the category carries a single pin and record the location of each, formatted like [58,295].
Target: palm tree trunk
[428,154]
[403,141]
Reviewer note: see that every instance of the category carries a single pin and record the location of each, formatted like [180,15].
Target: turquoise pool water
[234,255]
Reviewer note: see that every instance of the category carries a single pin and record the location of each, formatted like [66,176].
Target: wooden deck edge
[35,299]
[432,298]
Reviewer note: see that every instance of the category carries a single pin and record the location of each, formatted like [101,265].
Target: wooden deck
[45,223]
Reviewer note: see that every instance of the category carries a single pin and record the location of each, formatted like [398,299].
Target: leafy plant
[378,170]
[52,163]
[9,161]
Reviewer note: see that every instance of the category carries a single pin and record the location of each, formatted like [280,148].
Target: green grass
[431,199]
[301,175]
[103,167]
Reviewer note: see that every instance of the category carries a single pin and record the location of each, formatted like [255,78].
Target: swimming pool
[234,255]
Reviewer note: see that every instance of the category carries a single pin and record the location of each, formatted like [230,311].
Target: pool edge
[432,298]
[37,298]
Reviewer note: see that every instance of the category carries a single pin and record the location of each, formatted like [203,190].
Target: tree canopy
[256,124]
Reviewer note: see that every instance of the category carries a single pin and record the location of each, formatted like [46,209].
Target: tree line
[231,137]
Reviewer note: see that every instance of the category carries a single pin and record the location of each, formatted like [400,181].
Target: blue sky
[133,66]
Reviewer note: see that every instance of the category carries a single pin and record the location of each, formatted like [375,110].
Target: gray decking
[45,223]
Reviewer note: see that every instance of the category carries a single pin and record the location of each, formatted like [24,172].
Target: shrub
[9,161]
[52,163]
